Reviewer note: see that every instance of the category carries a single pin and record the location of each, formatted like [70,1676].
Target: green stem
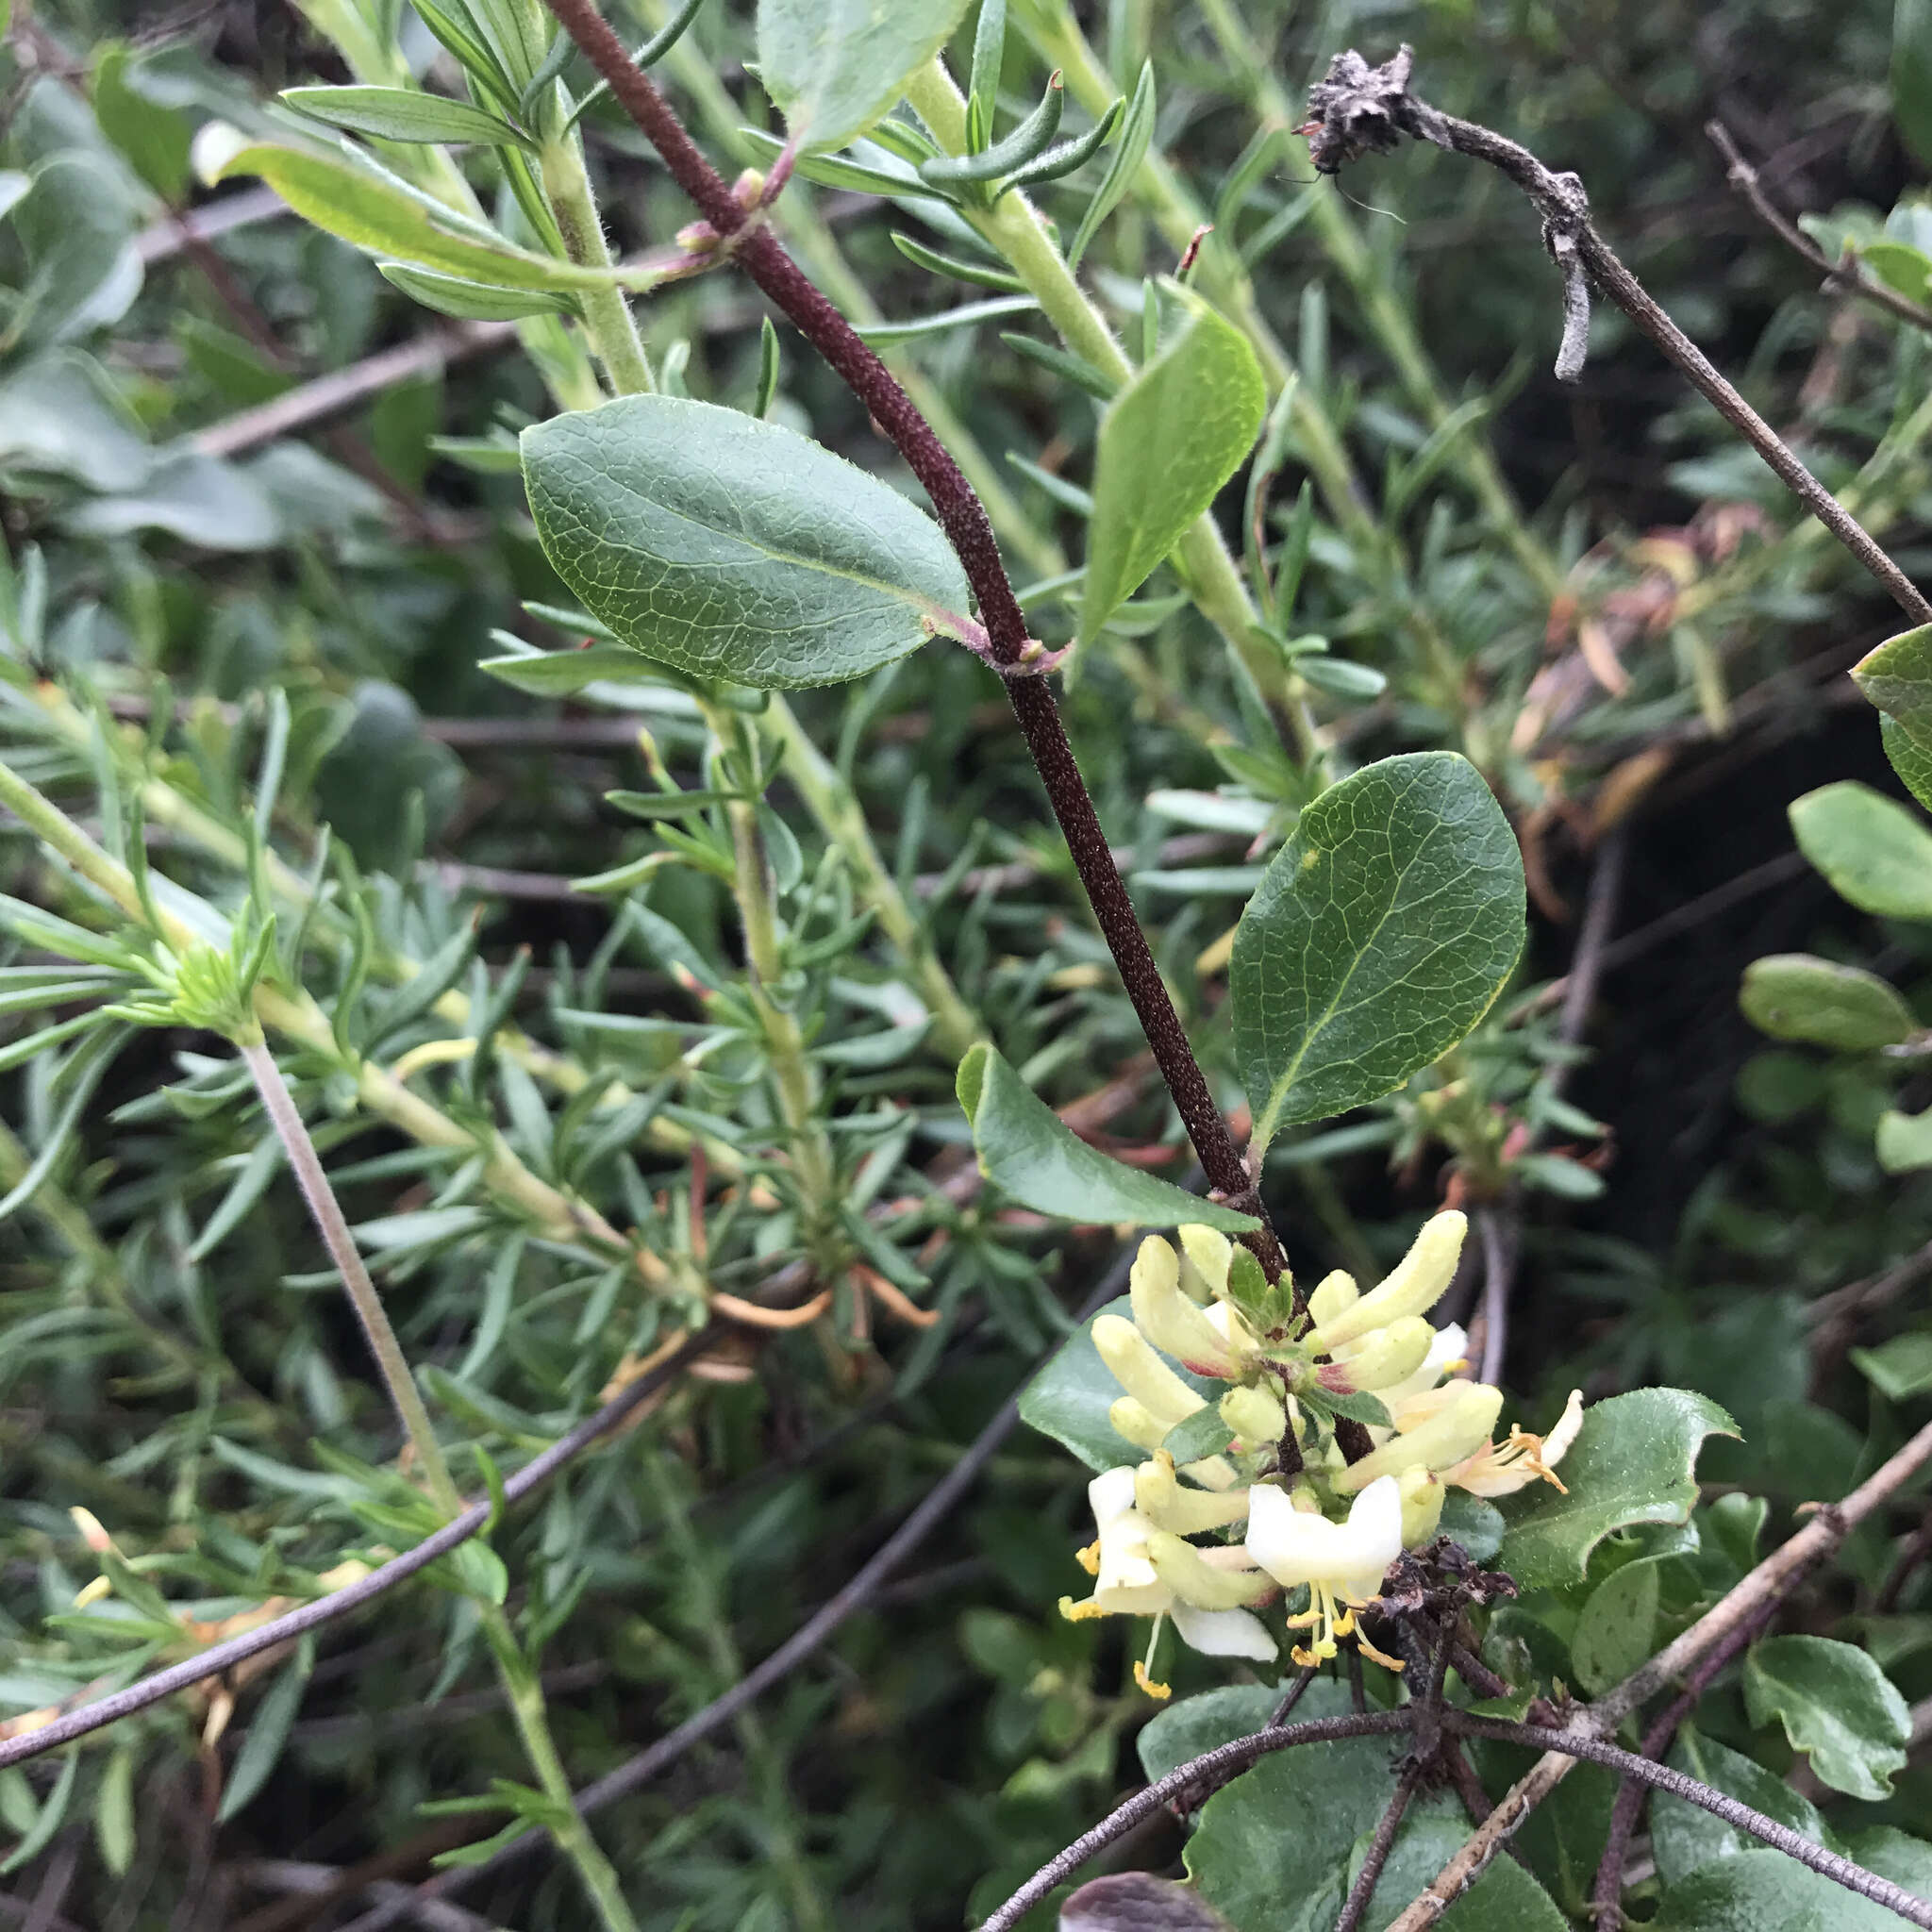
[608,320]
[391,1362]
[1180,215]
[519,1683]
[808,1909]
[797,1086]
[835,806]
[1013,227]
[379,61]
[571,1831]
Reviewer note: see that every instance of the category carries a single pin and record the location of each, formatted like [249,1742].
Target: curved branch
[1359,109]
[326,1609]
[1739,1609]
[1841,1870]
[1211,1769]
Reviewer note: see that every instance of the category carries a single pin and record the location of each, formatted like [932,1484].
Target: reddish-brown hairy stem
[963,518]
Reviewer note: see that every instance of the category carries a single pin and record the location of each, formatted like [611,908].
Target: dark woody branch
[1357,109]
[755,251]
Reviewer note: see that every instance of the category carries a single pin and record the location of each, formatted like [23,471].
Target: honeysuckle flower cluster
[1246,1494]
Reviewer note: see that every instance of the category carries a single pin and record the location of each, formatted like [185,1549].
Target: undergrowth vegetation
[947,978]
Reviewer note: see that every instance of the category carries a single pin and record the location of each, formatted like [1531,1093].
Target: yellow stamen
[1088,1559]
[1369,1649]
[1082,1612]
[1159,1692]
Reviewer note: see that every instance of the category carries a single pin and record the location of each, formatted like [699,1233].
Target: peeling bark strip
[1357,109]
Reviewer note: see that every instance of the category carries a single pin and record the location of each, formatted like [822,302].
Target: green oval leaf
[1909,758]
[1835,1705]
[1616,1628]
[1685,1836]
[1381,933]
[1875,852]
[1901,1367]
[1897,678]
[1170,440]
[734,548]
[1028,1152]
[402,114]
[1634,1461]
[1796,996]
[835,66]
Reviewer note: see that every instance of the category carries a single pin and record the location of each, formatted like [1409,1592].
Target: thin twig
[1608,1892]
[1841,1871]
[1738,1607]
[1501,1227]
[177,231]
[1849,274]
[809,1637]
[755,250]
[1296,1691]
[379,1583]
[1355,1907]
[1646,939]
[1501,1234]
[1358,109]
[1592,945]
[1212,1768]
[327,1212]
[343,389]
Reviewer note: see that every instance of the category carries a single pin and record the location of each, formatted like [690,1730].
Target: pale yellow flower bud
[1231,1584]
[1255,1416]
[1208,1254]
[1160,1498]
[1131,1420]
[1414,1286]
[1333,1293]
[1456,1428]
[1422,1491]
[1216,1344]
[1142,1373]
[1385,1357]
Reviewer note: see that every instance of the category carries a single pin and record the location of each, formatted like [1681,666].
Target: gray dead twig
[1357,109]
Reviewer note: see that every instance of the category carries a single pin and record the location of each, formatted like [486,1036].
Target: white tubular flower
[1456,1426]
[1125,1583]
[1159,1496]
[1123,1562]
[1414,1286]
[1142,1373]
[1189,1333]
[1382,1358]
[1341,1563]
[1500,1469]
